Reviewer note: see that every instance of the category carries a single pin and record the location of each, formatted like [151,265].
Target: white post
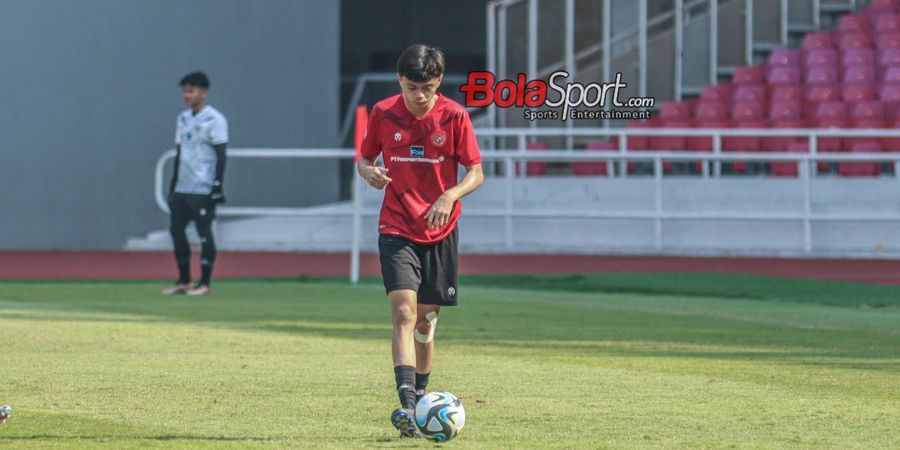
[807,206]
[642,47]
[607,47]
[784,22]
[570,58]
[508,216]
[713,41]
[816,7]
[532,44]
[501,63]
[356,192]
[658,210]
[717,150]
[623,150]
[748,33]
[492,55]
[679,46]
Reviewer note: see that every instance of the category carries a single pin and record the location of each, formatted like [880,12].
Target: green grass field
[605,361]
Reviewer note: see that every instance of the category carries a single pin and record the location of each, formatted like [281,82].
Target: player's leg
[403,316]
[426,323]
[179,218]
[204,213]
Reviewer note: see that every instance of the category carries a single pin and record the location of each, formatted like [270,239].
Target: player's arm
[218,195]
[374,175]
[439,213]
[175,172]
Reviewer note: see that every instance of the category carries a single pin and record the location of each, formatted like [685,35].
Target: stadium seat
[817,41]
[782,92]
[892,144]
[822,75]
[816,94]
[789,169]
[675,110]
[892,75]
[889,94]
[750,92]
[821,57]
[831,114]
[785,114]
[719,92]
[857,92]
[887,23]
[858,74]
[887,40]
[585,168]
[853,23]
[641,142]
[533,168]
[861,169]
[889,57]
[749,75]
[857,57]
[848,41]
[709,114]
[785,57]
[868,114]
[784,75]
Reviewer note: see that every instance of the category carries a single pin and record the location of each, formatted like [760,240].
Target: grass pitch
[600,361]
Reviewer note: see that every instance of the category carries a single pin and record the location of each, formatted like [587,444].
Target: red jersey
[422,156]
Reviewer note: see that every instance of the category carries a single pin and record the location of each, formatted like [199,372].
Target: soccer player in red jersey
[423,138]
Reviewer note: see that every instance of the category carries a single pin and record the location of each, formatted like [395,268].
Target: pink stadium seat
[719,92]
[856,75]
[868,114]
[675,110]
[892,75]
[641,142]
[750,92]
[536,167]
[887,40]
[822,75]
[831,110]
[821,57]
[887,23]
[858,57]
[823,93]
[853,22]
[749,75]
[595,168]
[786,92]
[817,40]
[861,169]
[831,115]
[848,41]
[781,144]
[889,57]
[747,110]
[785,57]
[875,10]
[785,110]
[892,144]
[889,94]
[711,110]
[858,92]
[671,143]
[784,75]
[705,143]
[789,169]
[882,5]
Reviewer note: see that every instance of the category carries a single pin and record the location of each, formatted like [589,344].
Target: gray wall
[89,95]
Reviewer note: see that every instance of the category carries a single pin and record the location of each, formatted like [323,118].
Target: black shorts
[430,270]
[188,207]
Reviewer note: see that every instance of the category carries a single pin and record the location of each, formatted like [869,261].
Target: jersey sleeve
[218,132]
[467,151]
[371,144]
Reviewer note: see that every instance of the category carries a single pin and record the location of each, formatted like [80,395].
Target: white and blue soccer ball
[5,411]
[440,416]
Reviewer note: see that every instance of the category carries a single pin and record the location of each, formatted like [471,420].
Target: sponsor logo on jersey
[417,151]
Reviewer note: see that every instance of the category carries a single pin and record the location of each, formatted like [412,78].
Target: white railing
[508,159]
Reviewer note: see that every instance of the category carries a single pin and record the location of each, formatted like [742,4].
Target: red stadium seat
[887,40]
[853,22]
[749,75]
[536,167]
[719,92]
[785,110]
[831,110]
[817,40]
[675,110]
[822,75]
[784,75]
[748,110]
[671,143]
[892,75]
[784,92]
[887,23]
[821,57]
[889,94]
[848,41]
[858,92]
[785,57]
[889,57]
[892,144]
[816,94]
[868,114]
[595,168]
[861,169]
[641,142]
[711,110]
[750,92]
[789,169]
[856,57]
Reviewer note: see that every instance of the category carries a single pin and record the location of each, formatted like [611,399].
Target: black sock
[406,382]
[205,273]
[184,272]
[422,381]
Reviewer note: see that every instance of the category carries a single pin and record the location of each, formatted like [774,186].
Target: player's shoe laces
[419,394]
[200,289]
[176,289]
[404,421]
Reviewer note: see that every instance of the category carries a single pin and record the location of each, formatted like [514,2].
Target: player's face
[420,94]
[193,95]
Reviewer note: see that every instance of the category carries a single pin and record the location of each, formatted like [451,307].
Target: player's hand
[217,195]
[439,213]
[376,176]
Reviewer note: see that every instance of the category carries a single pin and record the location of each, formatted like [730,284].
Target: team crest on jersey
[398,137]
[438,138]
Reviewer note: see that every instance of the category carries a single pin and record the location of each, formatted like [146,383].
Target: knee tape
[426,338]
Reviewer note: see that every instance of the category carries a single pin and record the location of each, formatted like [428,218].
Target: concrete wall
[89,98]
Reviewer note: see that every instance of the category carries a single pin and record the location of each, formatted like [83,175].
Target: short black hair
[195,79]
[421,63]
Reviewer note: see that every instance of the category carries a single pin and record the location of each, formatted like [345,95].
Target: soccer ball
[440,416]
[5,411]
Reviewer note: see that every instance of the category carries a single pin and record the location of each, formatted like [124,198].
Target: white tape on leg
[426,338]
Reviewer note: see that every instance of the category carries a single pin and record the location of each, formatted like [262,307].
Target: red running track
[119,265]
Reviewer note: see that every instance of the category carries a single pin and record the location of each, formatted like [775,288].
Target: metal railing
[658,214]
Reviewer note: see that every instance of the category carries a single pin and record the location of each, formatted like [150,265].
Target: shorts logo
[451,291]
[439,137]
[397,136]
[416,151]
